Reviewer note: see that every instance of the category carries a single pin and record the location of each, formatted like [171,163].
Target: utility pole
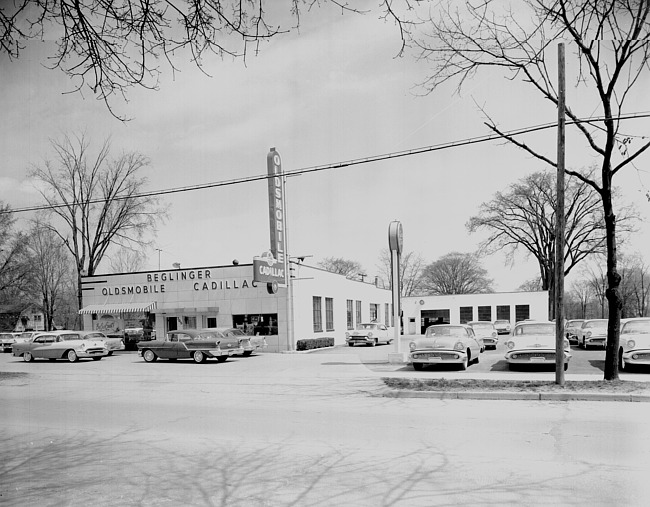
[560,224]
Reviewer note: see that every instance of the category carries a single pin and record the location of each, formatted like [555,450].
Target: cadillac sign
[267,269]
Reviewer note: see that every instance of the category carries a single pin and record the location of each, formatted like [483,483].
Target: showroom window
[318,314]
[350,313]
[329,314]
[359,320]
[374,312]
[387,315]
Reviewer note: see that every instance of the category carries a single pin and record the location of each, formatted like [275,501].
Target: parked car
[502,326]
[571,329]
[486,333]
[59,345]
[445,344]
[249,344]
[634,344]
[533,342]
[370,333]
[196,344]
[592,333]
[6,341]
[112,343]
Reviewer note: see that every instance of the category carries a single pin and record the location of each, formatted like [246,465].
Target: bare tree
[456,273]
[341,266]
[411,265]
[15,269]
[610,41]
[127,260]
[531,285]
[112,46]
[97,199]
[51,268]
[523,218]
[581,293]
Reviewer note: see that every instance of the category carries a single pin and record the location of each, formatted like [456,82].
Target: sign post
[395,242]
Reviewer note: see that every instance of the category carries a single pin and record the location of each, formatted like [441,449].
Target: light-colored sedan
[592,333]
[54,345]
[6,341]
[445,344]
[571,329]
[113,343]
[196,344]
[634,344]
[248,344]
[533,343]
[502,326]
[370,333]
[486,333]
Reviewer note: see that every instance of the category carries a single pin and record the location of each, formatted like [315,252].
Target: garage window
[329,314]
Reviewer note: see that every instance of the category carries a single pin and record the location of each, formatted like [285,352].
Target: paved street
[299,429]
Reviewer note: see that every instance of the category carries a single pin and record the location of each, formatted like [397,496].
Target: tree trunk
[612,293]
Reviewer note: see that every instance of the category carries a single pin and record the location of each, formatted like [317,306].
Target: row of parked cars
[196,344]
[633,344]
[529,342]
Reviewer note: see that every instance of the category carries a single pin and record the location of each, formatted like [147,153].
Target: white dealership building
[319,304]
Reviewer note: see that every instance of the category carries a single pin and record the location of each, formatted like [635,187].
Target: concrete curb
[512,395]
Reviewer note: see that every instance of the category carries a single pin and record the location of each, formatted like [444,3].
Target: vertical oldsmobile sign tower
[278,236]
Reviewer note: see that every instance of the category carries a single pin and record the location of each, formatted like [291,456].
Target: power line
[339,165]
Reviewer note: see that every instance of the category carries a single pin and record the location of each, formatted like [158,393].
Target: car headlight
[83,346]
[631,344]
[588,334]
[494,334]
[566,344]
[459,346]
[412,345]
[370,335]
[347,335]
[510,344]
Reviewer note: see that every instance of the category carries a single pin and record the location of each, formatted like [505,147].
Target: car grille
[596,340]
[94,351]
[439,355]
[645,356]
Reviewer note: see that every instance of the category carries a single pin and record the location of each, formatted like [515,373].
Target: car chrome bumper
[91,353]
[438,357]
[640,357]
[533,357]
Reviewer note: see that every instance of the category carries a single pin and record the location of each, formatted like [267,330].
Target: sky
[333,91]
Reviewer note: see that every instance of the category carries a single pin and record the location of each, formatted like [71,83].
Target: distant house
[19,318]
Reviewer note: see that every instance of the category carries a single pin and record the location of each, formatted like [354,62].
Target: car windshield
[67,337]
[483,327]
[638,327]
[536,329]
[362,327]
[501,322]
[595,324]
[446,331]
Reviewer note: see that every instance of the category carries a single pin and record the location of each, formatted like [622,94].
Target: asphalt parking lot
[583,361]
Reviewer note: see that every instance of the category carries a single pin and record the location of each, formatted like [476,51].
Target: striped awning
[119,308]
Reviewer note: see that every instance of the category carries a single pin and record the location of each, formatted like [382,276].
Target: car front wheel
[222,359]
[198,356]
[149,356]
[71,355]
[464,364]
[417,366]
[27,357]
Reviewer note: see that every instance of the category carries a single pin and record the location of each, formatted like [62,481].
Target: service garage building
[323,304]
